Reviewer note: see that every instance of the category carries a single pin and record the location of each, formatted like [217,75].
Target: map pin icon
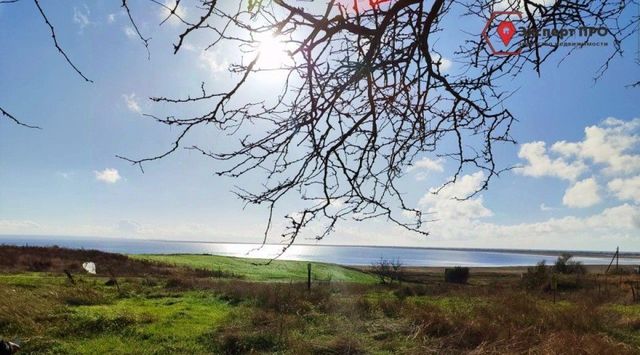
[506,31]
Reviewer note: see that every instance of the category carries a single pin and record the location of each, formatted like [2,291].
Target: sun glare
[273,52]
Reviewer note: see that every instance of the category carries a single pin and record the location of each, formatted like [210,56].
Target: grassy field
[255,270]
[191,307]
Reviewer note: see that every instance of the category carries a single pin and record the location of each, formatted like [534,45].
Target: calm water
[332,254]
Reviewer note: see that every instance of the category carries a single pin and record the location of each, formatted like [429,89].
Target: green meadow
[263,270]
[198,304]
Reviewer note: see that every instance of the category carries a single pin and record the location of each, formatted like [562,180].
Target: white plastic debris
[90,267]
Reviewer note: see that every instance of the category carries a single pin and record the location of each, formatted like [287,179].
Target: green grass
[632,310]
[154,313]
[37,311]
[254,270]
[179,322]
[450,304]
[30,280]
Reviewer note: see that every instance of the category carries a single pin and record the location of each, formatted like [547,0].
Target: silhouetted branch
[365,94]
[55,42]
[145,41]
[15,120]
[172,11]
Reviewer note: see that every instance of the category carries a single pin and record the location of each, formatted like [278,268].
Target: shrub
[428,321]
[257,331]
[565,265]
[536,277]
[388,271]
[83,296]
[390,307]
[234,341]
[291,298]
[342,345]
[363,307]
[456,275]
[87,325]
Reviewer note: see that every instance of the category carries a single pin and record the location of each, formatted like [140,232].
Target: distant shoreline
[546,252]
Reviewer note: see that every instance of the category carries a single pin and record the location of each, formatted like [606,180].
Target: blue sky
[578,145]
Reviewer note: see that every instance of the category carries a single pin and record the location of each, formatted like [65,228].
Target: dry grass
[493,314]
[56,260]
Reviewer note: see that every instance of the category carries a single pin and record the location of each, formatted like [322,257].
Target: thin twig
[55,42]
[11,117]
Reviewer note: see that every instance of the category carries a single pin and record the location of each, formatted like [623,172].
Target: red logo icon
[506,30]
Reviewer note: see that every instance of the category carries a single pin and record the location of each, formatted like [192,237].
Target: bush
[390,307]
[428,321]
[341,345]
[564,265]
[285,298]
[83,296]
[458,275]
[235,341]
[537,276]
[363,307]
[388,271]
[258,331]
[87,325]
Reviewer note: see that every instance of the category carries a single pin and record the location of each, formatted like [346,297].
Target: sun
[273,52]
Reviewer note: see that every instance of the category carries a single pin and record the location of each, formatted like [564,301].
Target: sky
[577,185]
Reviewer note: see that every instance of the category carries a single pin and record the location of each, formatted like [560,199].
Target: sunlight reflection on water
[347,255]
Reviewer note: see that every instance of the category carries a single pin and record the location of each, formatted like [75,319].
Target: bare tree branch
[15,120]
[55,42]
[364,96]
[145,41]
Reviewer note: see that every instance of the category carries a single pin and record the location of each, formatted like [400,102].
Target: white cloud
[546,208]
[9,226]
[446,206]
[619,222]
[609,144]
[336,203]
[210,60]
[128,227]
[619,225]
[173,20]
[609,150]
[427,164]
[132,103]
[626,189]
[130,32]
[111,18]
[109,176]
[81,18]
[582,194]
[188,47]
[539,163]
[445,64]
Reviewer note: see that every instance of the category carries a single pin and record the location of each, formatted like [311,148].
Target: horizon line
[503,250]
